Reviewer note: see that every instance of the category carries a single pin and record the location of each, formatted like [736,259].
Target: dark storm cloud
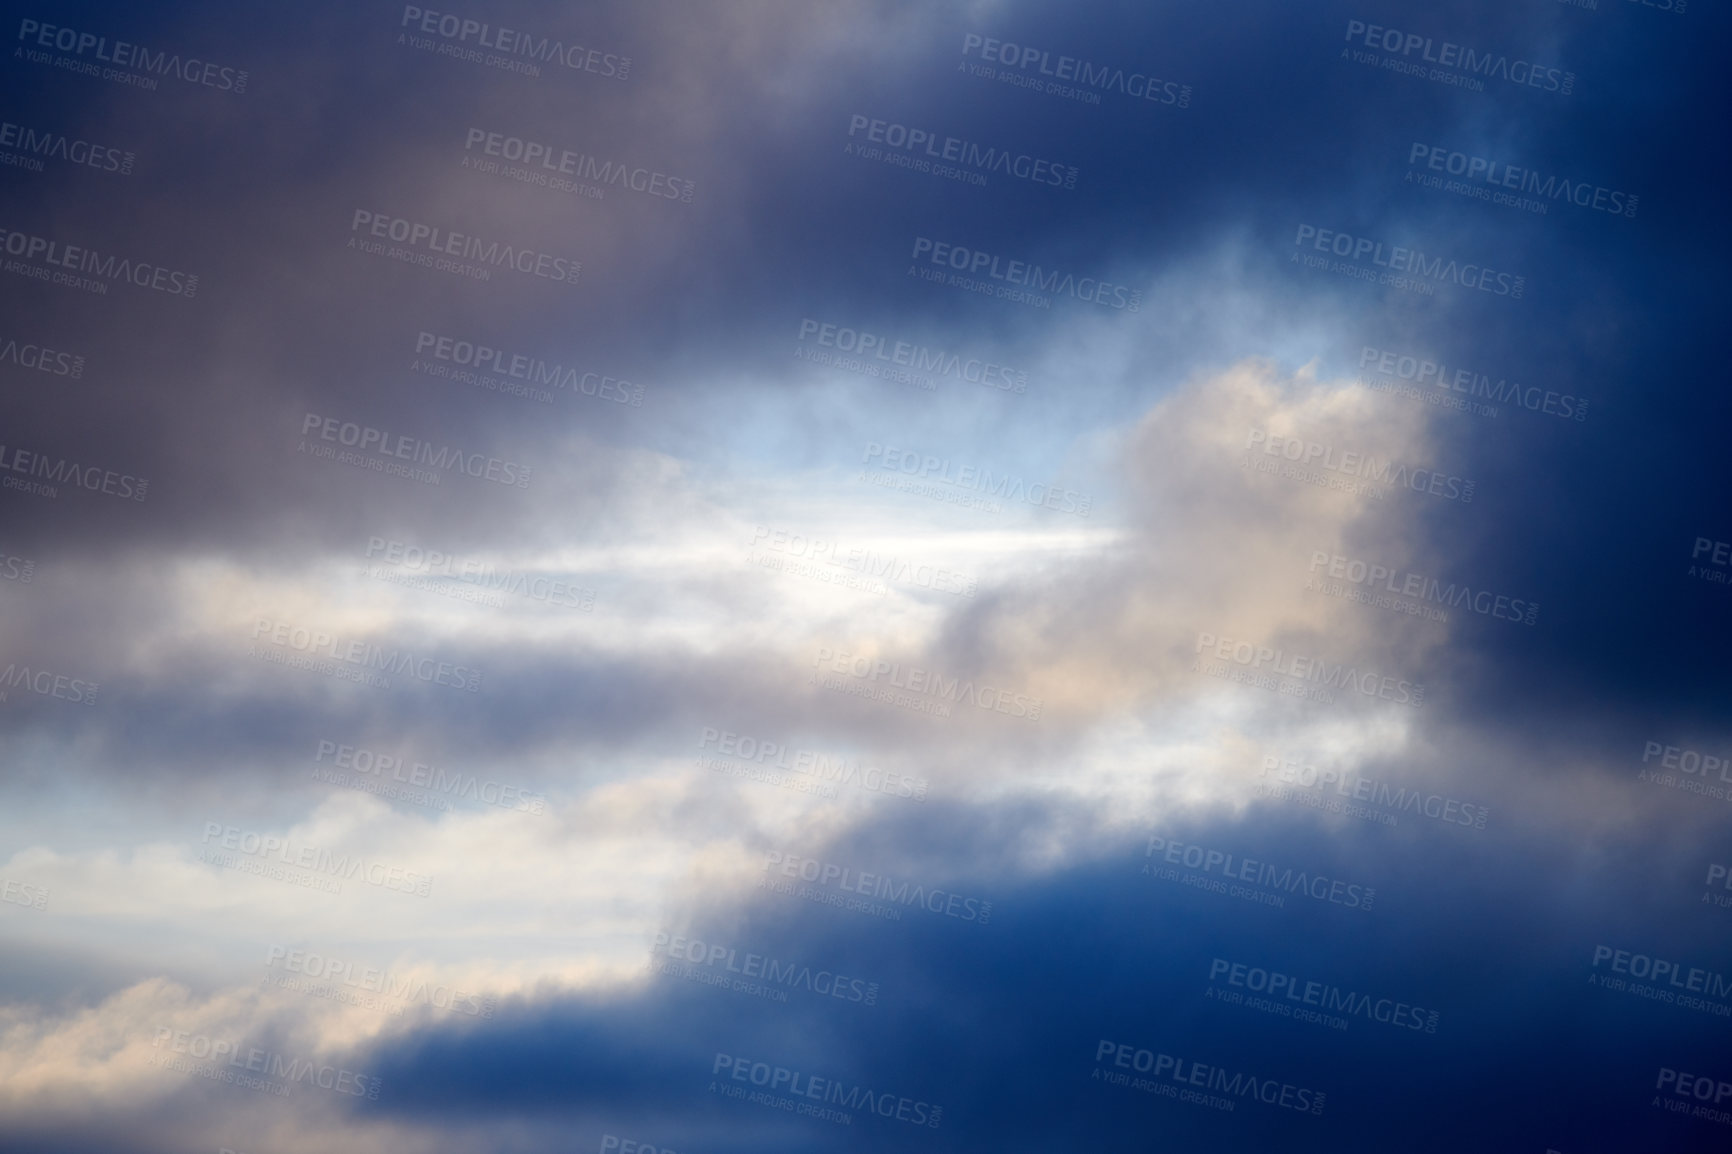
[290,322]
[1116,954]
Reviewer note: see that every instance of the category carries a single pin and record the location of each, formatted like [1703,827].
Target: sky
[657,577]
